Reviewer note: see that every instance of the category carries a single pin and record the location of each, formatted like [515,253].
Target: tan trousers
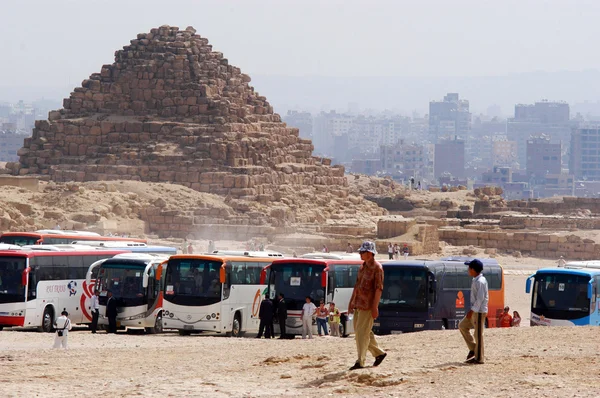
[365,339]
[335,328]
[476,322]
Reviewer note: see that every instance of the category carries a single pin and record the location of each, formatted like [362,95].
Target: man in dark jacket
[281,315]
[111,313]
[266,318]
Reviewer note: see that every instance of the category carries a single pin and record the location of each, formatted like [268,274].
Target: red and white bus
[58,237]
[37,285]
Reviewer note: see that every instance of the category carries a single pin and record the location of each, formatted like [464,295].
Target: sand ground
[547,362]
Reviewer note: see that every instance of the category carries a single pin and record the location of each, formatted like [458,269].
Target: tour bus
[134,247]
[331,278]
[213,293]
[37,285]
[53,237]
[434,294]
[565,296]
[132,279]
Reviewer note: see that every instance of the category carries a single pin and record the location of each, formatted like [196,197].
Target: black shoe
[379,359]
[474,361]
[356,366]
[470,355]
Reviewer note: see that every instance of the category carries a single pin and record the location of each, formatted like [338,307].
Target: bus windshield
[297,281]
[193,281]
[11,287]
[561,292]
[404,288]
[125,281]
[19,240]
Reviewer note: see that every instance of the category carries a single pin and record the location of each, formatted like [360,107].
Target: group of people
[507,321]
[269,311]
[327,318]
[394,251]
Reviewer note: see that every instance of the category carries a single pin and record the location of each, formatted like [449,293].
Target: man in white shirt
[308,310]
[95,308]
[475,318]
[62,326]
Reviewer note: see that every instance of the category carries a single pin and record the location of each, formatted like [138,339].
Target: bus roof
[571,270]
[216,257]
[75,235]
[246,253]
[411,263]
[141,256]
[332,256]
[27,253]
[314,261]
[66,232]
[485,261]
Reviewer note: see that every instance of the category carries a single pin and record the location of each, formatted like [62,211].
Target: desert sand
[548,362]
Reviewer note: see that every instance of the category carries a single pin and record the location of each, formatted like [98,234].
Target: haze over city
[321,55]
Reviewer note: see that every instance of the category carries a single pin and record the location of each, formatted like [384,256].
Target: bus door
[152,288]
[595,302]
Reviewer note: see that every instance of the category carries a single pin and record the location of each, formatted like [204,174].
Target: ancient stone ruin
[170,109]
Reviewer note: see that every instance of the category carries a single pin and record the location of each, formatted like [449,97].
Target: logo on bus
[72,286]
[460,300]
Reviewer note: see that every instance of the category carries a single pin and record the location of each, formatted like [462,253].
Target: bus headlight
[419,325]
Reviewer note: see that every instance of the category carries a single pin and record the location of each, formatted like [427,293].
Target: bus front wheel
[158,327]
[236,327]
[1,328]
[47,320]
[184,332]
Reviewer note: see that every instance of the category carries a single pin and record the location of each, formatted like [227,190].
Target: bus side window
[45,269]
[450,277]
[76,267]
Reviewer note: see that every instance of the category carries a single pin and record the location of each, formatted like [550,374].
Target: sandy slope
[550,362]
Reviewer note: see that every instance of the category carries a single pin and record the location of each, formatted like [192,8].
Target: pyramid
[170,109]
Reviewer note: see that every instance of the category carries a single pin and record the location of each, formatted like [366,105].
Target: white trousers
[307,328]
[61,341]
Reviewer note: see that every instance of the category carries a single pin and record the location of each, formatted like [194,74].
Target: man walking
[475,318]
[281,315]
[364,304]
[62,326]
[95,308]
[265,313]
[111,313]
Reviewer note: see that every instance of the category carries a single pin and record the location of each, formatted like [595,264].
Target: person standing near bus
[390,251]
[111,312]
[475,318]
[281,315]
[308,311]
[95,311]
[334,320]
[62,326]
[405,251]
[516,319]
[364,304]
[322,314]
[265,314]
[505,319]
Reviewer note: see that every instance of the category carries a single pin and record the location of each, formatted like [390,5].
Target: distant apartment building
[449,159]
[10,143]
[365,166]
[303,121]
[405,160]
[327,126]
[497,176]
[551,118]
[504,153]
[585,153]
[449,118]
[543,157]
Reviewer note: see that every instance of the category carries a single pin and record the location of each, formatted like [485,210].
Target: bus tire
[487,325]
[236,327]
[47,320]
[184,332]
[1,328]
[445,324]
[158,326]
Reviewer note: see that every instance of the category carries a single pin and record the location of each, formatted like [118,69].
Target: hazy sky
[59,43]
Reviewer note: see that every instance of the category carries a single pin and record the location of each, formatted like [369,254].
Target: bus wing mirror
[528,284]
[590,289]
[324,279]
[263,276]
[25,276]
[222,275]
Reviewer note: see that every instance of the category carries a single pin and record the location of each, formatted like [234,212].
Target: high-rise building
[585,153]
[551,118]
[302,121]
[326,126]
[449,158]
[449,118]
[543,158]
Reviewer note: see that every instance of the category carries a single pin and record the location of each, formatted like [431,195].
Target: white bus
[213,293]
[134,247]
[132,279]
[37,285]
[329,279]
